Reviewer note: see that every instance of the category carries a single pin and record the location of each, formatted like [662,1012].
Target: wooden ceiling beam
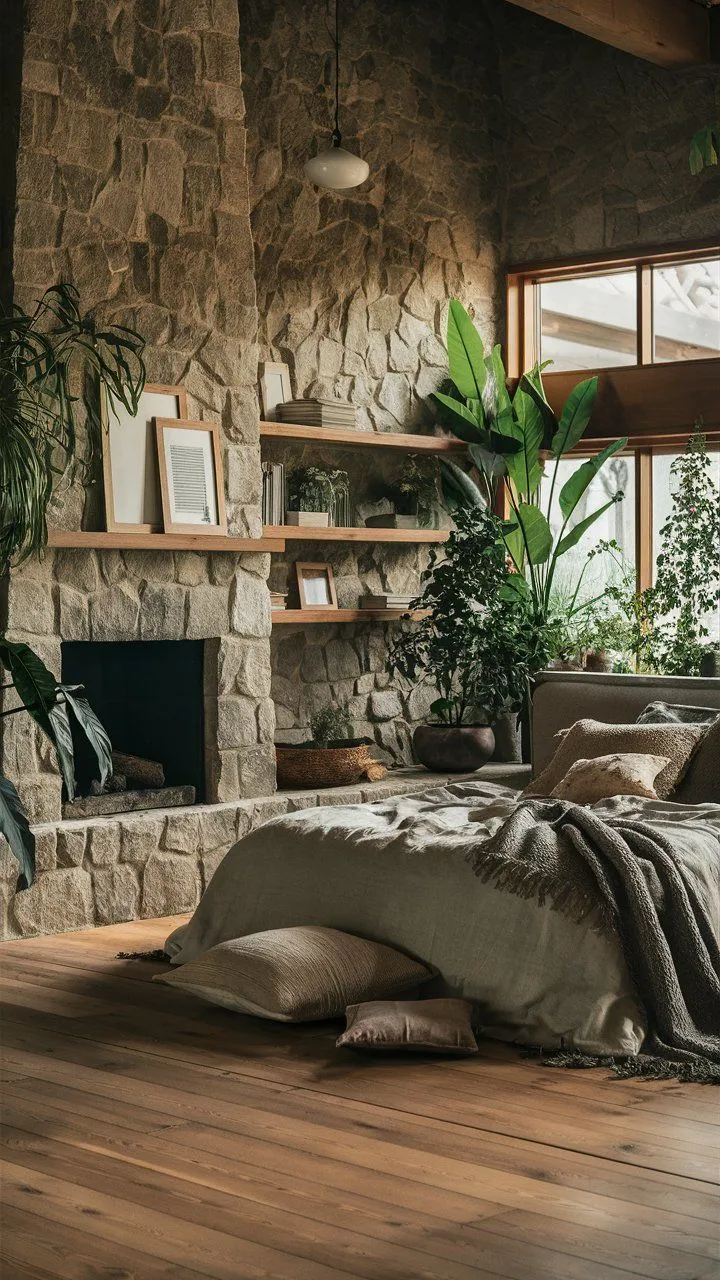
[671,33]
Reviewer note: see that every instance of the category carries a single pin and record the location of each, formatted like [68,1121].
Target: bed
[400,872]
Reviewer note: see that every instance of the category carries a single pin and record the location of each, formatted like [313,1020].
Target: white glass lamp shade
[337,169]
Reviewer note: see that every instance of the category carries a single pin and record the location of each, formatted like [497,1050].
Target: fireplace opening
[149,696]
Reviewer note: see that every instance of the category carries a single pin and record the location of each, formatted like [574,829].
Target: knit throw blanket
[625,876]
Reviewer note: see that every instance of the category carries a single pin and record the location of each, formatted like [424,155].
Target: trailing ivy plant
[42,354]
[513,441]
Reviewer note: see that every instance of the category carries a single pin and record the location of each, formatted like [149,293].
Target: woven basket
[325,766]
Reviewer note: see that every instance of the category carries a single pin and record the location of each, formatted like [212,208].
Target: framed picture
[131,479]
[316,586]
[275,388]
[191,476]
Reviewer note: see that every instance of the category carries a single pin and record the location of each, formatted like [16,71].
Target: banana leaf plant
[42,354]
[513,442]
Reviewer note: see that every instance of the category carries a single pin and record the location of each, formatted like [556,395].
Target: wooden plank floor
[147,1135]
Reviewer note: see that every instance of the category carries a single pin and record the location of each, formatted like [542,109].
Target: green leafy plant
[316,489]
[687,580]
[415,492]
[331,724]
[476,642]
[705,148]
[513,441]
[42,354]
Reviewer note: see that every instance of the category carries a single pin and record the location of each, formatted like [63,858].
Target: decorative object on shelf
[414,496]
[318,413]
[472,646]
[335,168]
[274,387]
[273,493]
[191,477]
[316,491]
[316,585]
[332,757]
[386,601]
[131,478]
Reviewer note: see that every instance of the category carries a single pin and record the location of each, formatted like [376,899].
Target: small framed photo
[191,477]
[316,586]
[275,388]
[131,479]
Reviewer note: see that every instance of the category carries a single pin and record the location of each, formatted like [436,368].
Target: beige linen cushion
[420,1026]
[588,739]
[701,784]
[297,975]
[620,775]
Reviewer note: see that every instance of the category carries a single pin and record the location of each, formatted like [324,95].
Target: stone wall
[353,288]
[598,144]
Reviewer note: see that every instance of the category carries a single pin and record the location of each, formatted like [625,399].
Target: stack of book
[386,602]
[278,600]
[317,413]
[273,493]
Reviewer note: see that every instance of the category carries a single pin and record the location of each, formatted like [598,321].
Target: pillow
[701,784]
[588,739]
[619,775]
[421,1026]
[297,975]
[676,713]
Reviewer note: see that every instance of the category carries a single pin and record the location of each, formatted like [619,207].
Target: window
[686,311]
[617,523]
[589,322]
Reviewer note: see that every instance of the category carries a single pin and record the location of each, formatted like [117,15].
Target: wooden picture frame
[191,477]
[131,480]
[316,585]
[275,388]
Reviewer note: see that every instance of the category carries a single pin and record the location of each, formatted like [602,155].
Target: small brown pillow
[297,975]
[701,784]
[420,1026]
[588,739]
[621,775]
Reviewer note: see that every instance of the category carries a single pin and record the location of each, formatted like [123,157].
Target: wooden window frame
[654,405]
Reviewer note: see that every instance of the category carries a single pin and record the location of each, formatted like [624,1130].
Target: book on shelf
[278,600]
[386,601]
[317,413]
[273,493]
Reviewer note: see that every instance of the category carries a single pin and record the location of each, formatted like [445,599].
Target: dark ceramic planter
[710,663]
[453,750]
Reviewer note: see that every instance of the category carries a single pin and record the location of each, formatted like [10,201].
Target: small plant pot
[391,520]
[308,519]
[598,660]
[446,749]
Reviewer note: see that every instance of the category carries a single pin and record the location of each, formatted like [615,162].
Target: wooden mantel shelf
[341,615]
[352,437]
[101,541]
[333,533]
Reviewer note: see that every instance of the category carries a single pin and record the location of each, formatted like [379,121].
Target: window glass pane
[664,486]
[617,523]
[589,322]
[686,311]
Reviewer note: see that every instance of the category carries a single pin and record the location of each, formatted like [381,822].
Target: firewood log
[138,771]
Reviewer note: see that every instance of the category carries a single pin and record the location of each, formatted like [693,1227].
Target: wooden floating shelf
[361,439]
[296,533]
[343,615]
[162,541]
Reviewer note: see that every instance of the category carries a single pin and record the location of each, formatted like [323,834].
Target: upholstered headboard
[562,697]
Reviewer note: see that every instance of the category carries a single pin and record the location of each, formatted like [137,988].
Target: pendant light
[336,168]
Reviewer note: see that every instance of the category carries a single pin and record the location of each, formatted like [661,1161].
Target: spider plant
[42,354]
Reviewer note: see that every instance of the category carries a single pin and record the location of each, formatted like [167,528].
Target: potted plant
[413,496]
[332,757]
[41,352]
[471,646]
[313,494]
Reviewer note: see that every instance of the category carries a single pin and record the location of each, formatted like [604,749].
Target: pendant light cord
[336,138]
